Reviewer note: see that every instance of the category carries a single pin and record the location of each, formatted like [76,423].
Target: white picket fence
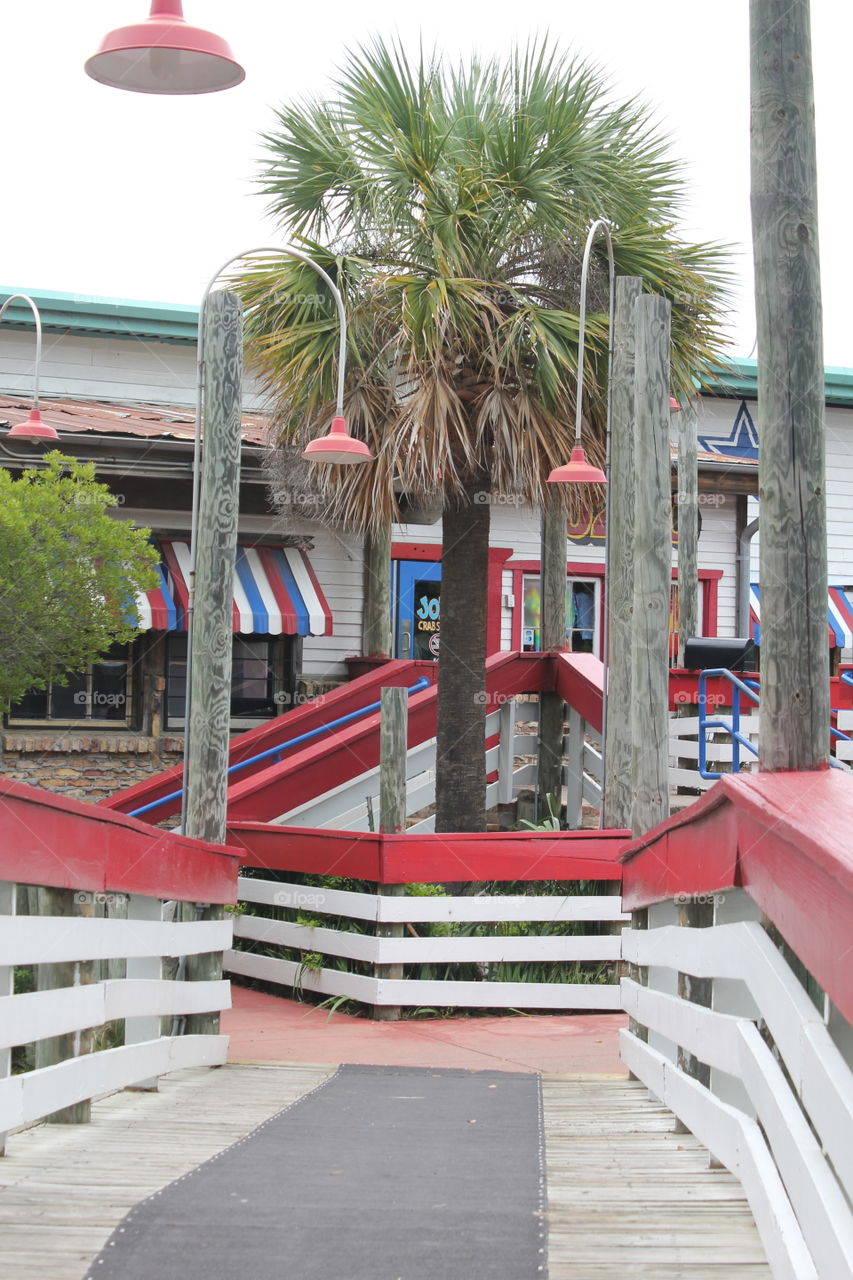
[143,997]
[354,805]
[778,1110]
[349,807]
[684,750]
[583,773]
[406,913]
[844,750]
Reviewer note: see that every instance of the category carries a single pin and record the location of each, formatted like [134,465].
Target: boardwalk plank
[64,1189]
[629,1198]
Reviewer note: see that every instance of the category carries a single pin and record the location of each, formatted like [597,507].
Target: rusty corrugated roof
[77,417]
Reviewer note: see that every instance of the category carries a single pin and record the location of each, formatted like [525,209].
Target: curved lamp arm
[600,225]
[24,297]
[286,252]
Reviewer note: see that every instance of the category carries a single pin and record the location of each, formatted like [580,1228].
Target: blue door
[417,620]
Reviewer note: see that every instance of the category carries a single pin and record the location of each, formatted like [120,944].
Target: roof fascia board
[739,381]
[80,313]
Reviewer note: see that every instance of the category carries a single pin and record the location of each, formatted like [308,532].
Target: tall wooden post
[621,501]
[210,707]
[794,714]
[215,554]
[688,528]
[552,635]
[376,625]
[393,745]
[652,568]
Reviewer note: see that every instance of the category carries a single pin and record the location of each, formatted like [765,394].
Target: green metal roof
[173,322]
[739,381]
[82,313]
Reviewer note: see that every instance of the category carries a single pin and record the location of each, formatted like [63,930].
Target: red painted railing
[432,858]
[56,841]
[319,711]
[783,837]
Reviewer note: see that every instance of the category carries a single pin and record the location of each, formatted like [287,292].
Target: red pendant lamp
[164,54]
[33,429]
[577,470]
[338,446]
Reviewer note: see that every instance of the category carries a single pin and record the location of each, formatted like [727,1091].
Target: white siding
[131,370]
[839,503]
[109,369]
[839,499]
[718,550]
[338,563]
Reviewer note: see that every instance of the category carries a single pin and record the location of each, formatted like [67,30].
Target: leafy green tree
[451,204]
[68,574]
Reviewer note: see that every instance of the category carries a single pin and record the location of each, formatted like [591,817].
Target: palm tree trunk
[460,775]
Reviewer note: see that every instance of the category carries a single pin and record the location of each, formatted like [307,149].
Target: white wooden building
[118,381]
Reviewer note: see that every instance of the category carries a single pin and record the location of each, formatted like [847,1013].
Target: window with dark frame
[256,678]
[102,694]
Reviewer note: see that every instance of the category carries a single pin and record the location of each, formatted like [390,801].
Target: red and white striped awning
[156,608]
[839,616]
[275,590]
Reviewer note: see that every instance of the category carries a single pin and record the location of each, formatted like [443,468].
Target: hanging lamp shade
[577,471]
[33,429]
[337,446]
[164,54]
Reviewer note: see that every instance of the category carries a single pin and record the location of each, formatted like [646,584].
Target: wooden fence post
[210,726]
[393,746]
[794,713]
[552,634]
[652,569]
[619,587]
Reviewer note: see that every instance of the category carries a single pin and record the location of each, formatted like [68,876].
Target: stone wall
[87,766]
[91,766]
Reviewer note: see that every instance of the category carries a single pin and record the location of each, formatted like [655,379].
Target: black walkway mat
[383,1173]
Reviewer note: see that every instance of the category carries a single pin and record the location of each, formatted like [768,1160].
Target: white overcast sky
[132,196]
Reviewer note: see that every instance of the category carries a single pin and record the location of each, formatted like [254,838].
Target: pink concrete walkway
[265,1028]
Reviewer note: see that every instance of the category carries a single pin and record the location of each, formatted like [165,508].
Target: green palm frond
[451,206]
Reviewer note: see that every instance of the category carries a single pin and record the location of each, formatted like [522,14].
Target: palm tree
[451,207]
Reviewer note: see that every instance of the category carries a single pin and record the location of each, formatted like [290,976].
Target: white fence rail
[772,1097]
[844,750]
[684,750]
[583,776]
[142,998]
[410,948]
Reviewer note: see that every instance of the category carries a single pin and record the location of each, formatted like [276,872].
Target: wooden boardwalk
[65,1188]
[627,1196]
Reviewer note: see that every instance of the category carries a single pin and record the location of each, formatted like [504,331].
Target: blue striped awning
[839,616]
[275,592]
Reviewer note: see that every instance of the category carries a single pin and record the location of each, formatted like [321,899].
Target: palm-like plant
[451,207]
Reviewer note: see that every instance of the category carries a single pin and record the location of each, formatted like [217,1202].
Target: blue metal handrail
[731,725]
[277,751]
